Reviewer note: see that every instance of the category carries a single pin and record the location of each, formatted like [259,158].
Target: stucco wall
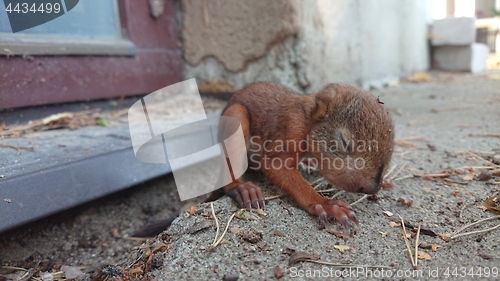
[303,44]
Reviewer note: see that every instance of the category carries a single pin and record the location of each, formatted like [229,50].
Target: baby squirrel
[342,130]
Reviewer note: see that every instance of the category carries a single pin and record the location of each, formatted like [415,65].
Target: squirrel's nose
[374,188]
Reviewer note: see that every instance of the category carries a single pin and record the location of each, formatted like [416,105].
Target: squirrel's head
[353,140]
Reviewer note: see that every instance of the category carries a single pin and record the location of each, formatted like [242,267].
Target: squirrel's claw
[337,209]
[248,195]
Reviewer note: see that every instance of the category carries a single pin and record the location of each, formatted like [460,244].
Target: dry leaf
[278,273]
[57,118]
[485,256]
[403,202]
[469,175]
[426,189]
[445,236]
[388,213]
[423,256]
[419,76]
[492,204]
[394,224]
[136,270]
[192,210]
[160,247]
[386,184]
[434,247]
[455,192]
[302,256]
[254,214]
[341,248]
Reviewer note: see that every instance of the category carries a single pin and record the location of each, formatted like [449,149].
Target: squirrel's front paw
[337,209]
[247,195]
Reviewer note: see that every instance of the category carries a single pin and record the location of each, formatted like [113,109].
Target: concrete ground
[436,123]
[448,123]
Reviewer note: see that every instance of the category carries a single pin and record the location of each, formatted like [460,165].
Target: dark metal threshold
[52,190]
[50,180]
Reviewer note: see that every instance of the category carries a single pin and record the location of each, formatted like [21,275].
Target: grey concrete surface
[443,116]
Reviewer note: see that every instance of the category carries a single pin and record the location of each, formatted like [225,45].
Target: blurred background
[105,49]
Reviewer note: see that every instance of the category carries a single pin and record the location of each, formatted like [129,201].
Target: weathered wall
[303,44]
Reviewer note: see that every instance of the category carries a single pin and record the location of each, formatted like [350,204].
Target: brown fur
[336,124]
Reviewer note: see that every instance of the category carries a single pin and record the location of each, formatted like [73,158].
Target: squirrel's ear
[324,104]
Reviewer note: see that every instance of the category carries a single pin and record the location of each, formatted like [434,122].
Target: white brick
[454,31]
[462,58]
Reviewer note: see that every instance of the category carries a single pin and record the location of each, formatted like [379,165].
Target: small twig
[472,224]
[139,239]
[275,197]
[348,265]
[477,168]
[359,200]
[225,230]
[59,274]
[13,268]
[403,153]
[403,178]
[416,243]
[318,184]
[408,142]
[475,232]
[435,175]
[337,194]
[18,148]
[412,139]
[407,243]
[216,222]
[327,190]
[481,159]
[486,135]
[390,171]
[463,208]
[27,275]
[448,181]
[316,181]
[399,170]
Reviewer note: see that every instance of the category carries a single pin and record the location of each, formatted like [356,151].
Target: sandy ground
[442,125]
